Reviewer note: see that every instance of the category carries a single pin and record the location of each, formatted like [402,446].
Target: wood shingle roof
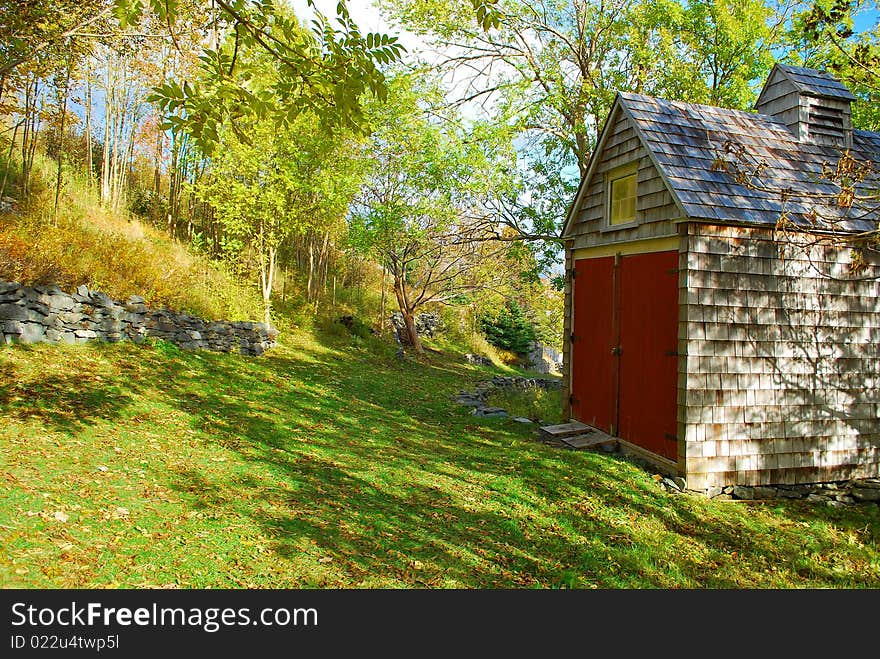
[687,142]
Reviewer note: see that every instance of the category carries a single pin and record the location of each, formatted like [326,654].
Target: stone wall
[46,314]
[779,378]
[544,359]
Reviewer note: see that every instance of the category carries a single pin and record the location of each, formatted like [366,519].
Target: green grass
[537,404]
[325,465]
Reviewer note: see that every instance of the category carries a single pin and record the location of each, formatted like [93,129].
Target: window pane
[622,204]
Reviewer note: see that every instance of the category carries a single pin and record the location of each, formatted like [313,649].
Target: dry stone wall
[46,314]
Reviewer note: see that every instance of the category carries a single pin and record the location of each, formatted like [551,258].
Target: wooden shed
[696,332]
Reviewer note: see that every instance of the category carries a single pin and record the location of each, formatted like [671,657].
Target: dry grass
[115,253]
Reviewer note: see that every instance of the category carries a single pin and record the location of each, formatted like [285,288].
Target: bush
[510,329]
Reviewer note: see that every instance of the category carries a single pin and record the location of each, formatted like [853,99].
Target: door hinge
[571,399]
[616,350]
[670,437]
[572,273]
[572,337]
[671,353]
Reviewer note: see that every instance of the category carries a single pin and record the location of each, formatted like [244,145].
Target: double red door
[624,348]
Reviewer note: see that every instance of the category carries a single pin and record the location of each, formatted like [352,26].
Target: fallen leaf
[60,516]
[326,559]
[102,468]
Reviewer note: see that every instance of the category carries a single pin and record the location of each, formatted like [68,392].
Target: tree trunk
[108,135]
[89,164]
[63,110]
[157,179]
[267,277]
[382,305]
[311,280]
[408,316]
[31,151]
[9,159]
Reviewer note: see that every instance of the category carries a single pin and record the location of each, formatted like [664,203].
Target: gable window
[622,194]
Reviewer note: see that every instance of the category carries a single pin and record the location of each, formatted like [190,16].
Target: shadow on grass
[65,401]
[362,468]
[396,493]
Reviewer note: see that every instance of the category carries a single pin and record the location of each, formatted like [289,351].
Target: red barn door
[594,368]
[624,352]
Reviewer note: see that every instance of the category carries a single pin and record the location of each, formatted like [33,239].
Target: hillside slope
[115,253]
[323,464]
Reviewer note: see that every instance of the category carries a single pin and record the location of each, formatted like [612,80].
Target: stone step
[594,439]
[564,430]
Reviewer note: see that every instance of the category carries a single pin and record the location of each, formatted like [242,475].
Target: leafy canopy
[325,70]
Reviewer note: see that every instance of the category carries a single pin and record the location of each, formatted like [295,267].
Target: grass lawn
[323,465]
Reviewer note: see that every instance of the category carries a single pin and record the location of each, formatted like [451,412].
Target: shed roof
[815,83]
[686,141]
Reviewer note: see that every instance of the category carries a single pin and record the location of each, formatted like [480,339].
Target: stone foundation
[834,494]
[46,314]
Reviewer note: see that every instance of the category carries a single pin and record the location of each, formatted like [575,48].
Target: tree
[509,329]
[824,36]
[549,70]
[416,212]
[324,72]
[277,186]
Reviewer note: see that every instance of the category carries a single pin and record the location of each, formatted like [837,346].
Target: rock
[71,317]
[477,360]
[10,327]
[544,359]
[866,493]
[102,299]
[15,312]
[834,504]
[489,412]
[793,491]
[522,419]
[764,492]
[743,492]
[32,333]
[58,302]
[46,313]
[671,484]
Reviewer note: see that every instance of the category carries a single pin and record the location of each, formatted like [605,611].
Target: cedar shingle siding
[780,364]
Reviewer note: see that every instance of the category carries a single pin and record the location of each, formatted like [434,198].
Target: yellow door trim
[637,247]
